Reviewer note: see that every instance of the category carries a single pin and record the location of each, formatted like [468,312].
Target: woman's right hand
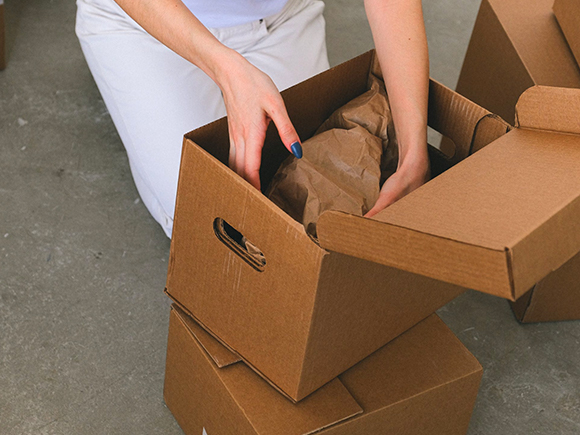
[252,101]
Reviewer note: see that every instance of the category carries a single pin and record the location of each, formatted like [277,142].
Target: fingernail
[296,150]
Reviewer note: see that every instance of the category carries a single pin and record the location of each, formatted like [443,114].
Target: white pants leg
[154,96]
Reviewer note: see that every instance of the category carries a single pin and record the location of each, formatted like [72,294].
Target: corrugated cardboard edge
[549,109]
[567,14]
[182,317]
[399,247]
[488,129]
[455,117]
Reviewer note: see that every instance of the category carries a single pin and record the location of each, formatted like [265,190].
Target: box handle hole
[239,244]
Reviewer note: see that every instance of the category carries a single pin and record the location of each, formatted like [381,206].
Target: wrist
[225,66]
[415,161]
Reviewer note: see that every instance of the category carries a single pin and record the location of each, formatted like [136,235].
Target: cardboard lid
[498,221]
[268,411]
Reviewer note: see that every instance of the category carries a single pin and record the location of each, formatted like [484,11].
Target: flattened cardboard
[298,321]
[424,382]
[567,13]
[515,44]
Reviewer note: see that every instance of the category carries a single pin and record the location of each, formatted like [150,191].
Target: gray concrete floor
[83,319]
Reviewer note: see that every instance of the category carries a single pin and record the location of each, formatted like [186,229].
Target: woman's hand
[251,97]
[252,101]
[411,174]
[399,35]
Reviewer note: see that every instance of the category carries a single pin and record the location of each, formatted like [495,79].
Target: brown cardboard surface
[562,115]
[497,221]
[499,232]
[555,298]
[567,13]
[424,382]
[293,320]
[515,44]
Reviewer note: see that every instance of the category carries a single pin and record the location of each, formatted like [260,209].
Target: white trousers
[155,96]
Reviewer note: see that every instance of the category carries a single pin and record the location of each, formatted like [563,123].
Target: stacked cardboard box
[497,221]
[425,382]
[517,44]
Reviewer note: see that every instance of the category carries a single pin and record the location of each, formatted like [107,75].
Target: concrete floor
[83,319]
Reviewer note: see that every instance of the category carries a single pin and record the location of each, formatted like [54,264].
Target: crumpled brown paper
[343,165]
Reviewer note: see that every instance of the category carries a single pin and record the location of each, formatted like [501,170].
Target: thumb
[285,128]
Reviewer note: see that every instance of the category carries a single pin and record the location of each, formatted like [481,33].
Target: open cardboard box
[423,383]
[312,310]
[567,13]
[498,221]
[517,44]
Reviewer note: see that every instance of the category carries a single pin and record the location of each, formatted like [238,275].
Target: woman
[165,67]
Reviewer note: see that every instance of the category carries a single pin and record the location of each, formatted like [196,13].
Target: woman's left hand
[411,174]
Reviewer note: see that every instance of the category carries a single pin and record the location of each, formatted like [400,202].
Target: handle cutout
[239,244]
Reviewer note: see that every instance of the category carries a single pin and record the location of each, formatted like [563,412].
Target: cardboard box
[556,297]
[567,13]
[423,383]
[498,221]
[517,44]
[309,313]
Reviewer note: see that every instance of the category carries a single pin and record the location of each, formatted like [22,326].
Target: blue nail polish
[296,150]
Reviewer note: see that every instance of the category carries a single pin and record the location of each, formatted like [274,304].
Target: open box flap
[267,410]
[497,222]
[549,108]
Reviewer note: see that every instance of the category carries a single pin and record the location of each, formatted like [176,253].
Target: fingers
[253,157]
[232,155]
[285,128]
[383,202]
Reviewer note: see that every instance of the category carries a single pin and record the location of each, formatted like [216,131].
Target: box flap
[488,129]
[267,410]
[568,15]
[221,356]
[549,108]
[455,117]
[497,222]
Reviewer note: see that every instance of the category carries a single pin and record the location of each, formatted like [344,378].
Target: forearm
[170,22]
[399,34]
